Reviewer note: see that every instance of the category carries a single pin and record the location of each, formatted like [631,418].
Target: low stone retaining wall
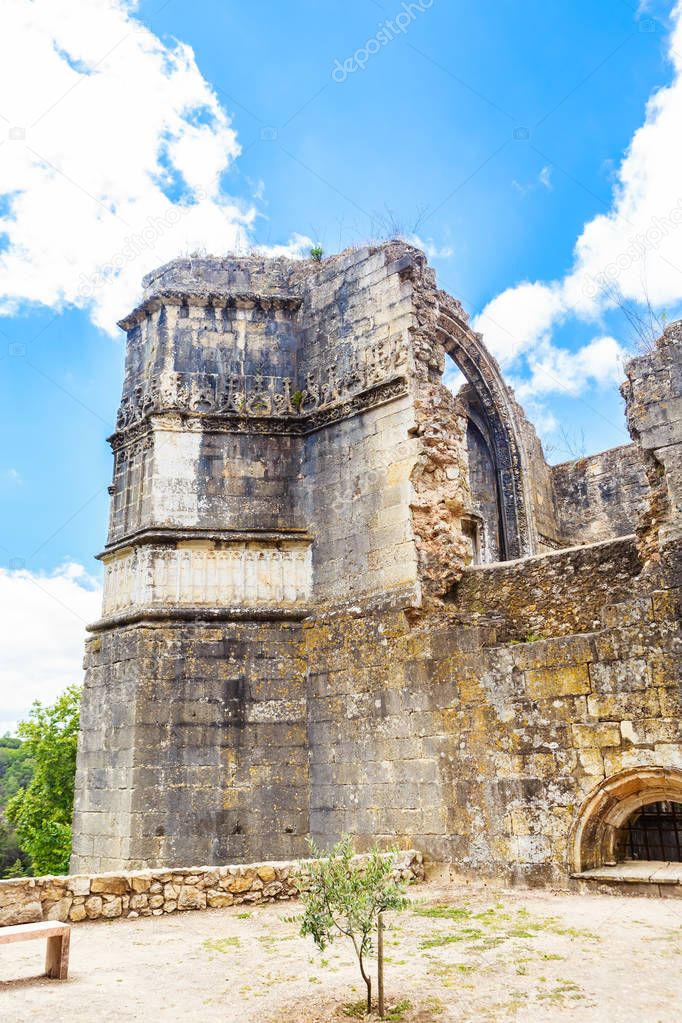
[153,892]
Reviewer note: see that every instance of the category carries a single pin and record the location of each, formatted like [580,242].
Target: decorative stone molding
[260,397]
[170,890]
[197,573]
[215,300]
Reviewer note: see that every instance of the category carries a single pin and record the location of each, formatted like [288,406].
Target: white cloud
[518,319]
[42,631]
[557,370]
[634,249]
[11,477]
[112,151]
[543,180]
[297,248]
[430,247]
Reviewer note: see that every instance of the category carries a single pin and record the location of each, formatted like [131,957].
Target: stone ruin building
[339,598]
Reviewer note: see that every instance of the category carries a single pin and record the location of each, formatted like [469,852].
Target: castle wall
[359,504]
[600,496]
[356,488]
[293,638]
[540,484]
[481,751]
[653,395]
[194,746]
[552,594]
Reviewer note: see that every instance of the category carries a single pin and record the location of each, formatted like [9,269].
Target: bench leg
[57,957]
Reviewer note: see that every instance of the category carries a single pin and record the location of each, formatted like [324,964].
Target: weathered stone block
[114,885]
[548,683]
[191,898]
[590,736]
[60,910]
[112,909]
[93,907]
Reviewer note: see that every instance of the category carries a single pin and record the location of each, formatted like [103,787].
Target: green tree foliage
[16,771]
[41,811]
[16,767]
[346,897]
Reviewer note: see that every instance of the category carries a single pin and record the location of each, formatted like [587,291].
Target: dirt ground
[457,954]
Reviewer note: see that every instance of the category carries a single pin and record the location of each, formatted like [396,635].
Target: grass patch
[444,912]
[354,1010]
[490,928]
[221,944]
[564,990]
[397,1012]
[466,934]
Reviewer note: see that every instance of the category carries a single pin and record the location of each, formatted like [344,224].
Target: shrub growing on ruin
[345,895]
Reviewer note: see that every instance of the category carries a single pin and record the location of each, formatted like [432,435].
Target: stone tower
[303,525]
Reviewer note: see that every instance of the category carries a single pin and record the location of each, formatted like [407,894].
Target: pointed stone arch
[466,347]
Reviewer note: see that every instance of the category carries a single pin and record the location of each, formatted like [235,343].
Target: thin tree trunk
[380,962]
[368,982]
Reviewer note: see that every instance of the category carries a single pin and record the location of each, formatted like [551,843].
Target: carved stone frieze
[257,396]
[202,574]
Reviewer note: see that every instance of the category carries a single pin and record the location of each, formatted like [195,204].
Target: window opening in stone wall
[471,531]
[654,832]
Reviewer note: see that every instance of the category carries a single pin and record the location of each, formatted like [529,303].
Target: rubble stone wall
[552,594]
[155,892]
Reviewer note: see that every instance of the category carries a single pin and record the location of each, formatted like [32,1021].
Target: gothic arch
[595,836]
[482,372]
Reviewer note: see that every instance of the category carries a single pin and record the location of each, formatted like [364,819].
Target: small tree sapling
[346,896]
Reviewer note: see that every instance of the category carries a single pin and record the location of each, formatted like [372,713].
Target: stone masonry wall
[428,731]
[292,414]
[653,394]
[355,487]
[193,746]
[601,496]
[553,594]
[155,892]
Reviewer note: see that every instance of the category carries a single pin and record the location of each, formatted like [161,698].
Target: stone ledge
[154,892]
[636,872]
[200,613]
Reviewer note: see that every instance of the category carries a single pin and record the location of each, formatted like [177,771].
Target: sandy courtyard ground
[457,955]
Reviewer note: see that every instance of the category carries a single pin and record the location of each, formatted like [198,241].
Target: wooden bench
[58,939]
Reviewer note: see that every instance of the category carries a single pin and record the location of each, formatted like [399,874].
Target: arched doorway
[636,814]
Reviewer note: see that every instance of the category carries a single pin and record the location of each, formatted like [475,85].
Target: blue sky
[493,132]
